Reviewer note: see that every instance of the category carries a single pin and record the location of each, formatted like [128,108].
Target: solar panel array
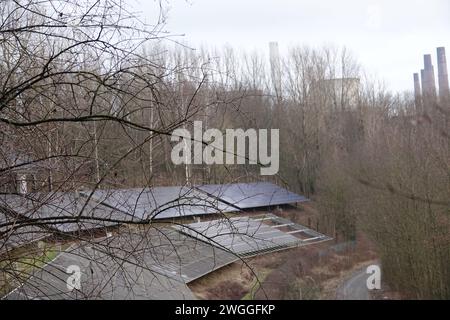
[177,255]
[102,277]
[161,202]
[63,211]
[111,207]
[306,235]
[66,212]
[246,236]
[251,195]
[150,264]
[14,235]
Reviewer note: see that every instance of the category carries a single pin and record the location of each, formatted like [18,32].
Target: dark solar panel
[161,202]
[104,275]
[248,236]
[252,195]
[12,235]
[243,236]
[64,208]
[158,262]
[176,255]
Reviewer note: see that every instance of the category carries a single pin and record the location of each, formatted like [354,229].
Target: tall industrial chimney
[428,81]
[422,80]
[417,92]
[442,74]
[275,67]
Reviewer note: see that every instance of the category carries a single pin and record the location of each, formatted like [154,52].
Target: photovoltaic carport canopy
[251,195]
[161,202]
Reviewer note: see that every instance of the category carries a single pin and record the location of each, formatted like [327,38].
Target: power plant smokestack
[427,61]
[422,80]
[442,74]
[428,82]
[275,67]
[417,91]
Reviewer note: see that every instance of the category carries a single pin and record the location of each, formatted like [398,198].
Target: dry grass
[318,267]
[282,269]
[229,282]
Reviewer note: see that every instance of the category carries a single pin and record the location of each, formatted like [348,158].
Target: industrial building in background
[425,92]
[341,93]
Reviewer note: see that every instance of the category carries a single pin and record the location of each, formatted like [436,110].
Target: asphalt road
[355,287]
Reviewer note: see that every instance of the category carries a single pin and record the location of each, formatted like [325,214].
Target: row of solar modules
[249,236]
[12,235]
[65,212]
[134,265]
[157,263]
[172,202]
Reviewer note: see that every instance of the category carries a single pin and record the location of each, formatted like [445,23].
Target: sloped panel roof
[153,263]
[63,211]
[13,235]
[103,276]
[248,236]
[161,202]
[252,195]
[171,253]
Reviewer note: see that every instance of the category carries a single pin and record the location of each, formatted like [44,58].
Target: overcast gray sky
[387,37]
